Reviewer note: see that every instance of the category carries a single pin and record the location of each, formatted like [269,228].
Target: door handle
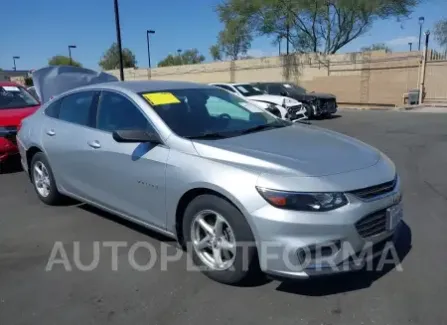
[51,132]
[94,144]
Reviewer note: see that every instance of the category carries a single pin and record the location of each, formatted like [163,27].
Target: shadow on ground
[318,286]
[334,284]
[11,166]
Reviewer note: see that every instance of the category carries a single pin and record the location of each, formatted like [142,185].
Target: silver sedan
[246,191]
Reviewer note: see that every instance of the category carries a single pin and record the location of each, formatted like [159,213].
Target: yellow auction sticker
[156,99]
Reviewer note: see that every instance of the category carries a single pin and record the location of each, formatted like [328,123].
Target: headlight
[303,201]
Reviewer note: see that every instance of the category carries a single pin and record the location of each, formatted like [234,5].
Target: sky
[36,30]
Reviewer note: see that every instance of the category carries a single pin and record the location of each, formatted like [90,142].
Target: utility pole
[424,64]
[14,58]
[69,52]
[118,38]
[421,23]
[149,53]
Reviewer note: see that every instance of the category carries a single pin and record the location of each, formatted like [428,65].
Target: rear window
[16,97]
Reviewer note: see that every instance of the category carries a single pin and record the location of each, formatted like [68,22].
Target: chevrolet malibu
[243,189]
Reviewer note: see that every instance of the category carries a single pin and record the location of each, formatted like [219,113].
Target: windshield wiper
[208,136]
[261,127]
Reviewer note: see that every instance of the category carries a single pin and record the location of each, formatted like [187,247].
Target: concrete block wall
[375,78]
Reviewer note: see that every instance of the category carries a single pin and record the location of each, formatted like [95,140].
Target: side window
[226,88]
[275,90]
[116,112]
[53,109]
[217,106]
[76,108]
[261,86]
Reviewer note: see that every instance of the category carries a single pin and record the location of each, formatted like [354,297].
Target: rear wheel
[220,240]
[43,180]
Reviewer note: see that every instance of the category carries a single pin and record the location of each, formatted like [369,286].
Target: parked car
[317,104]
[15,104]
[213,171]
[288,108]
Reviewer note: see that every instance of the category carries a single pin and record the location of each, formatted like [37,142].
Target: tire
[309,111]
[241,270]
[53,197]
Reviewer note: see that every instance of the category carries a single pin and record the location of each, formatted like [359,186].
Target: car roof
[230,83]
[271,83]
[149,86]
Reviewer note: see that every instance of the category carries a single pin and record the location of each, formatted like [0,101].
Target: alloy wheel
[213,240]
[41,179]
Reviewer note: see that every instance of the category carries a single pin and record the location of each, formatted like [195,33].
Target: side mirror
[284,93]
[136,136]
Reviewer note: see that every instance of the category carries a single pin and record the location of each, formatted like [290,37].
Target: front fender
[186,172]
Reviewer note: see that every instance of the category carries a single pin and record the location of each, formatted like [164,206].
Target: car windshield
[249,90]
[15,97]
[294,89]
[209,113]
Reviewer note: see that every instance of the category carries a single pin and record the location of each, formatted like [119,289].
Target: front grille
[372,225]
[376,190]
[292,112]
[329,104]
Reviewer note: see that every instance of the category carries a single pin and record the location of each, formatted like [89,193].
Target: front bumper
[8,146]
[302,244]
[325,106]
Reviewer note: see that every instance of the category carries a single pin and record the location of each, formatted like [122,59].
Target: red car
[16,103]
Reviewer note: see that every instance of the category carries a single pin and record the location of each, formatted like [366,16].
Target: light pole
[421,23]
[69,52]
[118,38]
[179,52]
[149,51]
[14,58]
[279,45]
[411,46]
[424,64]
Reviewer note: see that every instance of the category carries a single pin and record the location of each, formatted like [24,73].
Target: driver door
[126,177]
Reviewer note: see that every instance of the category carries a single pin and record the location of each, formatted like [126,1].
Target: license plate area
[394,215]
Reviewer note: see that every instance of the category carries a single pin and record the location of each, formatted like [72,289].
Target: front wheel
[220,240]
[309,111]
[43,180]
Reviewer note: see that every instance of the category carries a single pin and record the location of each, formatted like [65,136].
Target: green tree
[323,26]
[441,33]
[63,60]
[191,56]
[215,52]
[111,61]
[377,47]
[235,40]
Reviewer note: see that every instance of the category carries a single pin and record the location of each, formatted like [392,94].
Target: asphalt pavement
[29,230]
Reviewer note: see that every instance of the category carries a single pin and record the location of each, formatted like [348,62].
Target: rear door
[64,137]
[126,177]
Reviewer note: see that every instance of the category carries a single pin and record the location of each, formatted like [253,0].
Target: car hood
[278,100]
[52,81]
[13,116]
[298,150]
